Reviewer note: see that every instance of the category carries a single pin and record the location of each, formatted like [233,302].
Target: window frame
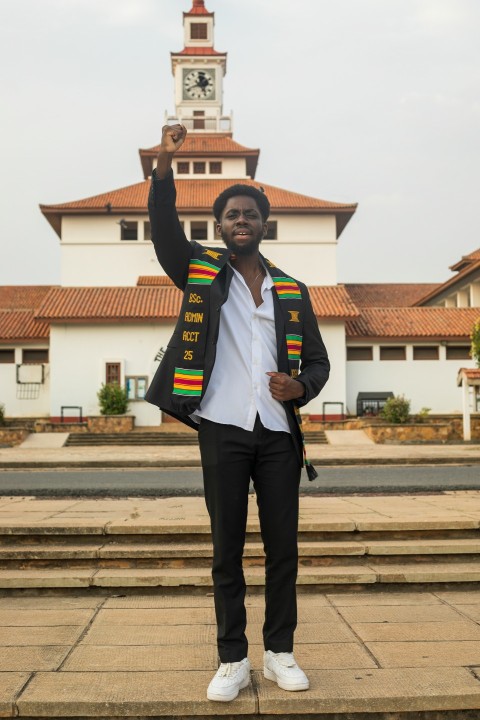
[360,348]
[37,361]
[418,349]
[197,164]
[12,355]
[386,348]
[139,383]
[130,227]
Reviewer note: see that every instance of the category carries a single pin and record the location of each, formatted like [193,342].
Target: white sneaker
[229,679]
[282,669]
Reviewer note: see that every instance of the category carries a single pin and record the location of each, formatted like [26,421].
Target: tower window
[129,230]
[199,168]
[458,352]
[393,352]
[216,168]
[199,120]
[425,352]
[147,231]
[183,168]
[272,230]
[199,230]
[198,31]
[360,353]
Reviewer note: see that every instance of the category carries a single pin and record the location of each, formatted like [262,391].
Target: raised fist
[173,137]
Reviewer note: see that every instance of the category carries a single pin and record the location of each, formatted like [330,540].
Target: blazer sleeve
[172,248]
[314,365]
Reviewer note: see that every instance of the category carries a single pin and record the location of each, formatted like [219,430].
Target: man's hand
[173,137]
[283,387]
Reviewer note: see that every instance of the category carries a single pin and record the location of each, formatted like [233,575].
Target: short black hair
[235,190]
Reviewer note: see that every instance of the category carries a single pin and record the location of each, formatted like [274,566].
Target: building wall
[79,353]
[92,253]
[11,393]
[426,383]
[333,335]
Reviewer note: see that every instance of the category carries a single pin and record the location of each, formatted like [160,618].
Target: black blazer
[174,253]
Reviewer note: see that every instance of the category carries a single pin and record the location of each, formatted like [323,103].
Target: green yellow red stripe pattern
[287,288]
[294,347]
[201,272]
[187,382]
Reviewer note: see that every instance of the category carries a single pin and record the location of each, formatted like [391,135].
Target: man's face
[241,225]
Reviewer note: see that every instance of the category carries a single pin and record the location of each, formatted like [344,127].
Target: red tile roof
[472,269]
[198,51]
[155,302]
[208,145]
[466,260]
[22,297]
[472,375]
[111,303]
[413,322]
[198,8]
[17,325]
[152,280]
[388,294]
[332,302]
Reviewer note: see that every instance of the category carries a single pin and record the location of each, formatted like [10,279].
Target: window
[183,168]
[34,357]
[272,230]
[393,352]
[129,230]
[199,230]
[425,352]
[7,356]
[199,120]
[216,168]
[136,386]
[112,373]
[199,168]
[147,231]
[359,353]
[458,352]
[198,31]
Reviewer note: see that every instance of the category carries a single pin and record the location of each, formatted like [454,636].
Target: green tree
[396,409]
[112,399]
[475,347]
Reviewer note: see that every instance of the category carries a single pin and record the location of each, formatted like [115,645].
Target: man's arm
[171,245]
[315,366]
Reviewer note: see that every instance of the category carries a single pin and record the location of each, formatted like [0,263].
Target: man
[232,370]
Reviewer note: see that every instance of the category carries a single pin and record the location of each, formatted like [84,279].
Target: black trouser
[230,457]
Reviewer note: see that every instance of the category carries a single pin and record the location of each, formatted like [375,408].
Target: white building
[115,310]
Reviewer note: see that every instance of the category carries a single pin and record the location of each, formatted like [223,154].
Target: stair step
[64,551]
[359,573]
[157,438]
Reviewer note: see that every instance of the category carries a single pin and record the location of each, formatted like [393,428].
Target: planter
[410,433]
[110,423]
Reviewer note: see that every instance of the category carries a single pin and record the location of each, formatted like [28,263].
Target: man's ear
[265,229]
[218,228]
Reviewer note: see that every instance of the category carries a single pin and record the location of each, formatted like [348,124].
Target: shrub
[422,414]
[112,399]
[2,414]
[396,409]
[475,347]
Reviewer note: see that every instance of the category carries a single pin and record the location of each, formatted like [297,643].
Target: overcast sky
[368,101]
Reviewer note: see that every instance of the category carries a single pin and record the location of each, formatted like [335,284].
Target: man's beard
[250,248]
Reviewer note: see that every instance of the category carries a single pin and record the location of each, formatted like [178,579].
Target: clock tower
[198,70]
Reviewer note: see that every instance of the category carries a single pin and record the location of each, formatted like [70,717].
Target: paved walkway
[349,453]
[121,654]
[141,655]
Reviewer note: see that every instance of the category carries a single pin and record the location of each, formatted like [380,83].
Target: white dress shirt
[246,350]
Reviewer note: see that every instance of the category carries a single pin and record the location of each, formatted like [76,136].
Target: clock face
[199,85]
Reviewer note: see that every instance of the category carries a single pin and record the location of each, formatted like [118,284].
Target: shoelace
[285,659]
[227,669]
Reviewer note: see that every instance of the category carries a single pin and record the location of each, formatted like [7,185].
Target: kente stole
[189,374]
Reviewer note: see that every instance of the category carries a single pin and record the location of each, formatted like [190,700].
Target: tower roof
[198,8]
[218,145]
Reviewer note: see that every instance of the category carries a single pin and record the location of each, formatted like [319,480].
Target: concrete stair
[149,554]
[156,438]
